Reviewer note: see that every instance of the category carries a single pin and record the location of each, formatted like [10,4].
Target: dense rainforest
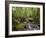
[25,18]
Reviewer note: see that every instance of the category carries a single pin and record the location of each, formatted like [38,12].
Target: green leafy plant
[24,14]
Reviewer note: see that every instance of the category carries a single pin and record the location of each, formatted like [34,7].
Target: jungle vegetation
[21,16]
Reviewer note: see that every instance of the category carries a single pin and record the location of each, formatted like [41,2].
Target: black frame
[7,18]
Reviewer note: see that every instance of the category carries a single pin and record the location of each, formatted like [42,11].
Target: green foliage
[20,26]
[22,14]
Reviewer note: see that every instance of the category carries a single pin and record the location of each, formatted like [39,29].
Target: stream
[31,26]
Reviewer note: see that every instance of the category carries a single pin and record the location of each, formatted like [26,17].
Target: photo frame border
[7,18]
